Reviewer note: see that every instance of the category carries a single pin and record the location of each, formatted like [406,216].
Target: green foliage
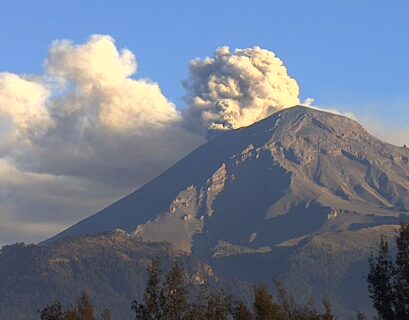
[286,305]
[140,310]
[168,298]
[401,273]
[83,310]
[71,314]
[174,295]
[286,308]
[151,308]
[264,306]
[212,306]
[219,306]
[175,303]
[152,292]
[380,281]
[388,280]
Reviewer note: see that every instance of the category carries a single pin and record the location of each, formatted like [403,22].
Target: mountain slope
[297,172]
[301,194]
[111,267]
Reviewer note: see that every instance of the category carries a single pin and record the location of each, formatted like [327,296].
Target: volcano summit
[296,173]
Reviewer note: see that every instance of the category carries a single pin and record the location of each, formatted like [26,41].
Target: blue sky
[352,54]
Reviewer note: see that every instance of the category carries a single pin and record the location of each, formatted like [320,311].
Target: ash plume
[237,88]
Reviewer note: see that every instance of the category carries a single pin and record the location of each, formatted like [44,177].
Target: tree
[381,272]
[241,312]
[170,300]
[152,292]
[286,302]
[219,306]
[82,310]
[264,306]
[106,315]
[151,308]
[196,312]
[52,312]
[401,280]
[388,280]
[85,308]
[327,310]
[210,306]
[174,296]
[140,310]
[71,314]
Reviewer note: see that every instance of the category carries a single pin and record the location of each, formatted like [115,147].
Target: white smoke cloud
[105,121]
[236,89]
[97,62]
[23,114]
[95,79]
[80,135]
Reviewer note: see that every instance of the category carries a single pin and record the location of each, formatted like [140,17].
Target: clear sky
[349,54]
[85,130]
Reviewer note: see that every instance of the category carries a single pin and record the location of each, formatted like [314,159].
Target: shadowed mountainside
[111,267]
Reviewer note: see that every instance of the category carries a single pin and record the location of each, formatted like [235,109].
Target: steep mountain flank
[297,173]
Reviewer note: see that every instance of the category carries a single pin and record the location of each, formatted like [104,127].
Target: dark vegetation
[111,268]
[169,298]
[388,279]
[169,293]
[81,310]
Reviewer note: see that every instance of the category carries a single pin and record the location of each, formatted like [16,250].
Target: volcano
[297,173]
[302,194]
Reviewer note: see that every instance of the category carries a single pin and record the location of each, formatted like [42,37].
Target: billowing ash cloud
[79,136]
[236,89]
